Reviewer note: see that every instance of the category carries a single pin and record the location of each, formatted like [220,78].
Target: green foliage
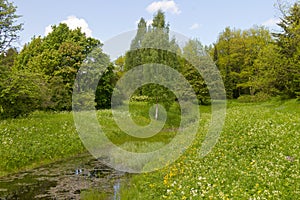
[235,53]
[288,42]
[59,94]
[57,57]
[139,98]
[97,74]
[196,63]
[266,74]
[52,64]
[251,61]
[152,46]
[8,28]
[105,88]
[120,62]
[6,63]
[23,93]
[7,58]
[258,97]
[142,30]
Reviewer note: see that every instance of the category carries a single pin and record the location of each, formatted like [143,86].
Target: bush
[22,94]
[140,98]
[258,97]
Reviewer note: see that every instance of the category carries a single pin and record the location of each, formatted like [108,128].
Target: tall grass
[37,139]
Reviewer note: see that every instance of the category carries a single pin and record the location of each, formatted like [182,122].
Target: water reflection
[117,190]
[63,180]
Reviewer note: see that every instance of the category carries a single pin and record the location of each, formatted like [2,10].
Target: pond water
[65,179]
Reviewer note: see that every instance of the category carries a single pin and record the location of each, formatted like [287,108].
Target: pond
[66,179]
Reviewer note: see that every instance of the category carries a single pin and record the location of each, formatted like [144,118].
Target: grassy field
[43,137]
[257,155]
[37,139]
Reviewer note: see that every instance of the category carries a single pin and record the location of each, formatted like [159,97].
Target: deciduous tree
[9,28]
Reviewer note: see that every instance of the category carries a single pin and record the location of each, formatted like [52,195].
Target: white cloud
[195,26]
[271,22]
[164,5]
[73,22]
[48,30]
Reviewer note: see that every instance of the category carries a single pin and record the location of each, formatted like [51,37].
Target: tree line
[254,63]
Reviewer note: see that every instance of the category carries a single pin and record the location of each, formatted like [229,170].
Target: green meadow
[256,157]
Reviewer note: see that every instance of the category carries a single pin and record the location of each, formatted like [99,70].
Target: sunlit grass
[44,137]
[37,139]
[257,157]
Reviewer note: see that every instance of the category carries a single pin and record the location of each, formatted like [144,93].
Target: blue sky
[203,20]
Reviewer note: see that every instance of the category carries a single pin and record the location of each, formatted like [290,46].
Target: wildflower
[166,179]
[173,184]
[194,192]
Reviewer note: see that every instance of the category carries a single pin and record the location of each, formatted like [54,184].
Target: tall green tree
[255,40]
[265,71]
[153,45]
[288,41]
[235,53]
[97,70]
[57,56]
[7,58]
[228,58]
[6,62]
[194,58]
[133,57]
[9,28]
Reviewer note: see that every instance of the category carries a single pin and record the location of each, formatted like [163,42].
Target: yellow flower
[165,181]
[259,191]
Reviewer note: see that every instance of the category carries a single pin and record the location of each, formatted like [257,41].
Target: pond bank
[65,179]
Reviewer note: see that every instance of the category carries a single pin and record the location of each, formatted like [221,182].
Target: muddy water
[63,180]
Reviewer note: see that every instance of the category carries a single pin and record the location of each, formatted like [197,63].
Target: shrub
[258,97]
